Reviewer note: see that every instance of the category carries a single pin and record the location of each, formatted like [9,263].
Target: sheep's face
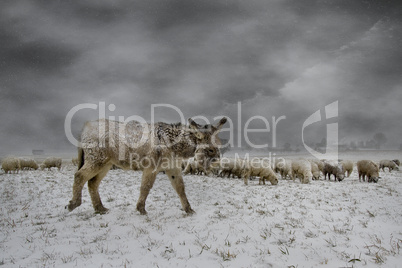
[374,179]
[274,181]
[340,177]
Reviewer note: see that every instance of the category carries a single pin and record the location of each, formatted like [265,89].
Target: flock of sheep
[14,164]
[263,168]
[305,170]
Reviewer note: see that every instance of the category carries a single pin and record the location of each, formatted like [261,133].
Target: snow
[337,224]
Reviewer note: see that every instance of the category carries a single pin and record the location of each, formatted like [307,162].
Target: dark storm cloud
[201,56]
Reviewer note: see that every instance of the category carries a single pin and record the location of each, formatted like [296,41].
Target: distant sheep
[390,164]
[197,167]
[51,162]
[284,167]
[319,163]
[315,171]
[335,169]
[347,166]
[28,163]
[261,169]
[369,169]
[232,167]
[302,169]
[397,162]
[11,164]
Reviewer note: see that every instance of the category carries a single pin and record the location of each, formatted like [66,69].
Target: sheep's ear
[196,127]
[221,123]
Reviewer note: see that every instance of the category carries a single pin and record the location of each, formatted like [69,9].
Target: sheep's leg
[177,182]
[93,188]
[80,178]
[148,179]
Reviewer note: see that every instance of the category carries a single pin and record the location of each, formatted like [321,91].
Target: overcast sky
[277,58]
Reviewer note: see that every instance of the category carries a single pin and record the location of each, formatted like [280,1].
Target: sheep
[315,170]
[232,167]
[391,165]
[302,169]
[397,162]
[369,169]
[335,169]
[11,164]
[51,162]
[148,147]
[319,163]
[259,168]
[284,168]
[28,163]
[347,166]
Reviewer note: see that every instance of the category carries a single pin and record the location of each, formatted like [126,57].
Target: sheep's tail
[80,157]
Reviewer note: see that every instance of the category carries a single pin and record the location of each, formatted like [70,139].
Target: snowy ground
[347,224]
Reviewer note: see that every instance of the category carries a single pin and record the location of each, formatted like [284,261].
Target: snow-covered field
[332,224]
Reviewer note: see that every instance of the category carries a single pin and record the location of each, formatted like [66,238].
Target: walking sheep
[347,166]
[11,164]
[140,146]
[369,169]
[301,169]
[391,165]
[51,162]
[334,169]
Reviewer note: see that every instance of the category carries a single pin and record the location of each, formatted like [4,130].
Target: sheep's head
[207,142]
[273,180]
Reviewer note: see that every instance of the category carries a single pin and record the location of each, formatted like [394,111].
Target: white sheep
[232,167]
[390,164]
[284,167]
[315,170]
[51,162]
[11,164]
[369,169]
[347,166]
[319,163]
[28,163]
[261,169]
[302,169]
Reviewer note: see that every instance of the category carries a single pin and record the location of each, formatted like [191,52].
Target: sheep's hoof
[72,205]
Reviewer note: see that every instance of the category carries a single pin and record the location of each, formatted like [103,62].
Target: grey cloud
[201,56]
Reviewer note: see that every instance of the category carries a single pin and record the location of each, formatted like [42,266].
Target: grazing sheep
[75,161]
[149,147]
[28,163]
[284,168]
[391,165]
[195,167]
[11,164]
[315,170]
[302,169]
[397,162]
[319,163]
[335,169]
[232,167]
[259,168]
[369,169]
[347,166]
[51,162]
